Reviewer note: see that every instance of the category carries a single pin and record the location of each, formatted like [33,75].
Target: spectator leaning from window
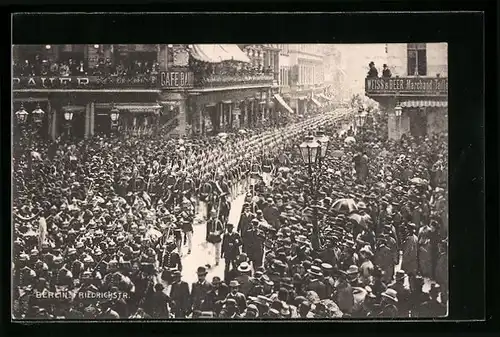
[373,72]
[386,72]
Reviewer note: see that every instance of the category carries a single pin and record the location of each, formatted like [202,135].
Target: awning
[424,104]
[315,101]
[216,53]
[283,103]
[235,53]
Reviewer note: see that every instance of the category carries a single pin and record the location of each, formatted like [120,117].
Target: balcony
[407,86]
[218,81]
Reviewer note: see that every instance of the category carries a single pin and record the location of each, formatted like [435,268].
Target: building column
[182,118]
[87,120]
[92,119]
[200,111]
[163,56]
[252,114]
[230,115]
[236,116]
[53,126]
[50,114]
[243,113]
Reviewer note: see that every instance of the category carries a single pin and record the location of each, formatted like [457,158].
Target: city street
[359,162]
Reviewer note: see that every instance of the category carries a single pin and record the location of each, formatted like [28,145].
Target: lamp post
[22,118]
[313,151]
[38,114]
[398,110]
[114,115]
[68,117]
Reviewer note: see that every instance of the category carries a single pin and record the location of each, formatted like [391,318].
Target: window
[417,59]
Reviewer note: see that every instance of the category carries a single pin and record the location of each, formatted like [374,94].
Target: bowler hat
[202,271]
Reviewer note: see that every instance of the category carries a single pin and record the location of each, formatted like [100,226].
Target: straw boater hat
[391,294]
[315,271]
[244,267]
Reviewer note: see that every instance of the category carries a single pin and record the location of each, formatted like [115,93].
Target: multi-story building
[305,74]
[415,97]
[87,89]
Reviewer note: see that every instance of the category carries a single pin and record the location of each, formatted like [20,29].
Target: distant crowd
[77,67]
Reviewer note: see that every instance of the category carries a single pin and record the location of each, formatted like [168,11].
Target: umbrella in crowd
[120,218]
[349,140]
[345,205]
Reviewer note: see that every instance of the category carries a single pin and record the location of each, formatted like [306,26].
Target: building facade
[181,88]
[302,75]
[415,97]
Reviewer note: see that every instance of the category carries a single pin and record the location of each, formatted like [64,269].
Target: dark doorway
[102,124]
[418,123]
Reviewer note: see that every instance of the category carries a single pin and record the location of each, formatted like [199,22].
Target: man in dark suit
[271,214]
[245,219]
[315,283]
[231,243]
[216,295]
[240,299]
[254,244]
[200,289]
[159,303]
[181,298]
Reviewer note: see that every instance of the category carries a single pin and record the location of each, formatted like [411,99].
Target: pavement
[202,252]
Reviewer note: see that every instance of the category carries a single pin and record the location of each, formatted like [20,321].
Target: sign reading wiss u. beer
[407,86]
[176,79]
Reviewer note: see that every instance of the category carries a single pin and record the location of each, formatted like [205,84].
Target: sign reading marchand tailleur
[437,86]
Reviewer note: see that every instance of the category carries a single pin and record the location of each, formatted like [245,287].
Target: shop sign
[437,86]
[85,82]
[176,79]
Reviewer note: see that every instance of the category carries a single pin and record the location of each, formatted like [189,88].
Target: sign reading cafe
[176,79]
[408,85]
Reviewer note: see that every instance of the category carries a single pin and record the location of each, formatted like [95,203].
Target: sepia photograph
[229,181]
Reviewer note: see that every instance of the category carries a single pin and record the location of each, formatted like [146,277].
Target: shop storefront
[413,105]
[80,107]
[228,110]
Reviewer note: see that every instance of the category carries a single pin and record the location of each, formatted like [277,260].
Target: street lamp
[311,152]
[38,114]
[398,110]
[21,115]
[68,115]
[114,114]
[323,141]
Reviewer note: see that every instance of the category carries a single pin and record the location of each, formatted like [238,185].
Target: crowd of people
[373,71]
[228,71]
[106,223]
[39,66]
